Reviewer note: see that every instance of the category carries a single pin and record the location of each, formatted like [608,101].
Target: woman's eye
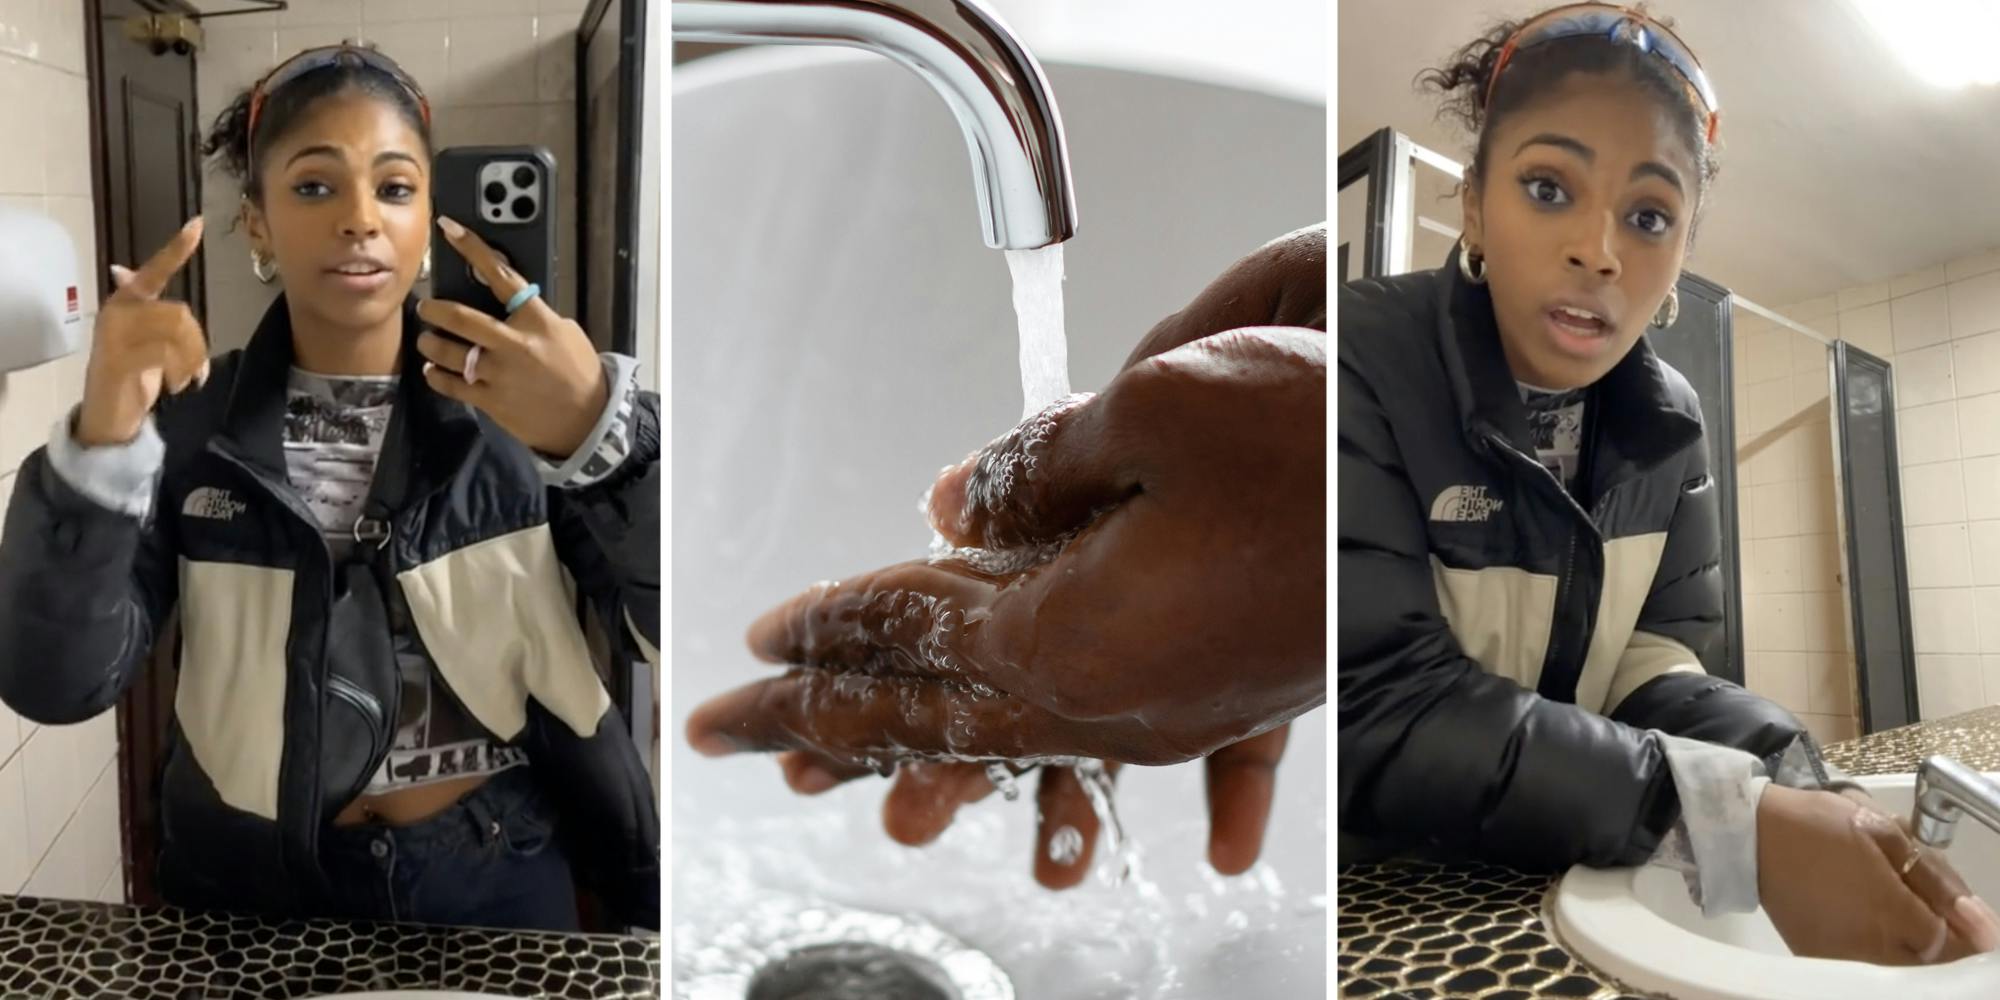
[1652,221]
[397,190]
[310,189]
[1546,191]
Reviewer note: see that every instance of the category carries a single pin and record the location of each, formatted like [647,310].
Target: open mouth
[1579,322]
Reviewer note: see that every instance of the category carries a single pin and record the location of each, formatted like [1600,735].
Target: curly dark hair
[228,143]
[1463,80]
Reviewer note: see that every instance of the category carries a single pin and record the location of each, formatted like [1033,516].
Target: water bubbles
[1066,845]
[1003,780]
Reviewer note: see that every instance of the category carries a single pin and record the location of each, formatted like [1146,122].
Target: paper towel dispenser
[41,314]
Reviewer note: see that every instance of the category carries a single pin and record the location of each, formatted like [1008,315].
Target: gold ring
[1916,854]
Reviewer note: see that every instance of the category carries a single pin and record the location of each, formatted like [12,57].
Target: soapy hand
[1168,499]
[1830,875]
[142,345]
[538,375]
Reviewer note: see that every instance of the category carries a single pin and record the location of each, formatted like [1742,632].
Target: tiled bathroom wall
[1941,328]
[497,72]
[1798,648]
[58,784]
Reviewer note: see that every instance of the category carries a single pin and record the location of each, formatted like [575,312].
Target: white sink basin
[840,332]
[1637,924]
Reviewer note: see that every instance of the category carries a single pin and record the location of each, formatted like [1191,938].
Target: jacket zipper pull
[372,530]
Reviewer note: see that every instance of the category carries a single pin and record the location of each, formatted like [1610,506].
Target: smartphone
[506,195]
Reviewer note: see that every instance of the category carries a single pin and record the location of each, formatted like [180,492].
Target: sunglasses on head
[1621,25]
[326,57]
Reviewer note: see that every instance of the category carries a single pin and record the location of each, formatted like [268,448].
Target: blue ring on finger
[521,298]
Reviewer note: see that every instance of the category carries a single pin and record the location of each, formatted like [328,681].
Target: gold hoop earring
[1669,311]
[1466,269]
[264,267]
[424,270]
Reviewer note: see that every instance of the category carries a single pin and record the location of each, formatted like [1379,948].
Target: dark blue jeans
[492,860]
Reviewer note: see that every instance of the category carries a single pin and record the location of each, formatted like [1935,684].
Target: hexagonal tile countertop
[71,950]
[1419,930]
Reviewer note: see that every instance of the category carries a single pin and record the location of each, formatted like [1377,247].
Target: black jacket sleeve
[608,535]
[1432,749]
[83,591]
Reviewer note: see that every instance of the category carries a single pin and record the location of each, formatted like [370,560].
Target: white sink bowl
[841,332]
[1638,925]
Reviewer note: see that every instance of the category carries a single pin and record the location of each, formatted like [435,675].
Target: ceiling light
[1947,43]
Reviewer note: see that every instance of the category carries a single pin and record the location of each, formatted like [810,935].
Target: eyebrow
[1650,167]
[393,154]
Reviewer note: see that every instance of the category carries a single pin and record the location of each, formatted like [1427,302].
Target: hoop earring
[265,268]
[1669,310]
[424,270]
[1465,266]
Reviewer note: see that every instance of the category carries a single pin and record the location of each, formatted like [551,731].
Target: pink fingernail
[450,226]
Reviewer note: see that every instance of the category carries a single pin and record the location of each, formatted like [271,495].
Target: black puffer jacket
[1504,650]
[288,684]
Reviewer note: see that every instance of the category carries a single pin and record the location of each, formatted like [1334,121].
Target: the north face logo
[1465,504]
[213,504]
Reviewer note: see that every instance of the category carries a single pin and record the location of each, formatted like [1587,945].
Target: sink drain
[851,970]
[783,947]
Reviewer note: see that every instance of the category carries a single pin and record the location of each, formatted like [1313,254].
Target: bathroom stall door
[1698,345]
[1872,512]
[146,177]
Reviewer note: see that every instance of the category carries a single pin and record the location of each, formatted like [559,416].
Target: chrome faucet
[1020,163]
[1945,789]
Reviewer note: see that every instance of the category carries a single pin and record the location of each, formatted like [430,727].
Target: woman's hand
[1830,874]
[141,346]
[538,375]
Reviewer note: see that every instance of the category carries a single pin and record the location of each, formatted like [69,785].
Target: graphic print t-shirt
[1555,423]
[334,426]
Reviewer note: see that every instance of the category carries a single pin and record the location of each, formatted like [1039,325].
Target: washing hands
[1841,879]
[1177,610]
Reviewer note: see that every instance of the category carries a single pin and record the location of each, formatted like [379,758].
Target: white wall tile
[1823,624]
[20,118]
[96,826]
[1924,376]
[1941,621]
[1815,446]
[54,785]
[1817,498]
[421,48]
[1986,608]
[21,28]
[346,13]
[1975,364]
[1933,494]
[492,61]
[1917,281]
[1819,564]
[235,56]
[15,859]
[27,410]
[1927,434]
[1830,680]
[1939,556]
[1950,685]
[1975,306]
[62,35]
[1989,669]
[1812,309]
[1809,389]
[1863,295]
[576,6]
[65,132]
[1765,409]
[1985,553]
[1780,677]
[1869,328]
[491,8]
[378,11]
[1770,356]
[1830,729]
[1979,425]
[1922,319]
[1982,488]
[1808,355]
[555,60]
[1971,266]
[296,38]
[1776,565]
[1774,510]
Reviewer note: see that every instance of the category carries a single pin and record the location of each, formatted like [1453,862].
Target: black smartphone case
[530,247]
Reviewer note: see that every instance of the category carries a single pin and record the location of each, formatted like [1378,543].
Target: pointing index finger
[152,277]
